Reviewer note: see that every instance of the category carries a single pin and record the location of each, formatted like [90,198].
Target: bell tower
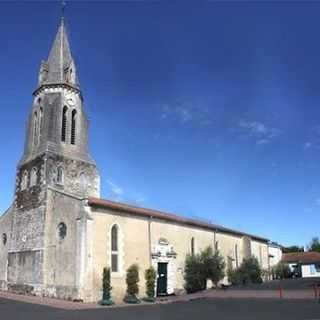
[56,148]
[55,176]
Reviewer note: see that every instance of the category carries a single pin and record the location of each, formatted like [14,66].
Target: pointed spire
[60,67]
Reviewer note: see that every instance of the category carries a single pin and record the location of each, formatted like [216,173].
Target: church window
[60,175]
[4,239]
[192,246]
[40,122]
[114,249]
[64,124]
[24,181]
[33,177]
[62,230]
[35,128]
[73,127]
[216,246]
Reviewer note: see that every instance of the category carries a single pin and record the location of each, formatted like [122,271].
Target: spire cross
[63,7]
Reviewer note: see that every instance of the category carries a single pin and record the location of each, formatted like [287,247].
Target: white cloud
[317,202]
[307,145]
[185,112]
[261,133]
[116,191]
[119,194]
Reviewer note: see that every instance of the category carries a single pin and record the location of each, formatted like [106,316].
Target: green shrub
[213,265]
[132,280]
[106,287]
[234,277]
[248,272]
[194,277]
[203,266]
[281,271]
[150,276]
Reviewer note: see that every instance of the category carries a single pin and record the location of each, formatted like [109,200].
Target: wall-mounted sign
[163,241]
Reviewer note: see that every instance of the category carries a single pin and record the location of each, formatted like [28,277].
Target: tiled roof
[117,206]
[301,257]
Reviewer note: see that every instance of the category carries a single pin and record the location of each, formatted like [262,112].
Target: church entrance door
[162,279]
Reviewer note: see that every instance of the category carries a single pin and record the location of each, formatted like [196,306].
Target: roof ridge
[92,201]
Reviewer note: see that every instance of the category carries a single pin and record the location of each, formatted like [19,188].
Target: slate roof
[60,57]
[121,207]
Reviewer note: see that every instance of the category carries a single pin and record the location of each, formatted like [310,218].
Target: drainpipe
[149,240]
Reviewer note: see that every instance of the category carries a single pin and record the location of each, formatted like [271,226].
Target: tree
[106,288]
[194,277]
[132,280]
[248,272]
[281,271]
[314,245]
[292,249]
[213,265]
[203,266]
[150,276]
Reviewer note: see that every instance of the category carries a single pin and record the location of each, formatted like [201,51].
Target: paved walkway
[307,294]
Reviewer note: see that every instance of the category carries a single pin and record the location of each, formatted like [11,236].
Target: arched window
[114,249]
[62,230]
[33,177]
[35,128]
[192,246]
[40,123]
[24,181]
[4,239]
[216,246]
[60,175]
[64,124]
[73,126]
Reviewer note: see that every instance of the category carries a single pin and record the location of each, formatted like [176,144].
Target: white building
[275,253]
[308,262]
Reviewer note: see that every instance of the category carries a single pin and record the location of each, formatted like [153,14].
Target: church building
[58,234]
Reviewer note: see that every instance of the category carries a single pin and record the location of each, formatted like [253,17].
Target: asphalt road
[221,309]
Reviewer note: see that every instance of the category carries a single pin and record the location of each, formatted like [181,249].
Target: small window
[60,175]
[62,231]
[192,246]
[24,181]
[216,246]
[33,177]
[40,124]
[114,249]
[35,128]
[4,239]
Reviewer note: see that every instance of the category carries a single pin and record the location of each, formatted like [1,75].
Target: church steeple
[60,67]
[57,128]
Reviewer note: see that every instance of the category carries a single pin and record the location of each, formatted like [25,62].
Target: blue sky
[208,109]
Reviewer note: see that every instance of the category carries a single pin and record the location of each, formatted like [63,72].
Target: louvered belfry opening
[64,124]
[73,127]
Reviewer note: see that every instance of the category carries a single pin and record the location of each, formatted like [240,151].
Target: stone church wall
[5,235]
[60,260]
[168,242]
[133,248]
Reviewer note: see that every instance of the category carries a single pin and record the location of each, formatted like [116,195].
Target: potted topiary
[106,288]
[150,276]
[132,280]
